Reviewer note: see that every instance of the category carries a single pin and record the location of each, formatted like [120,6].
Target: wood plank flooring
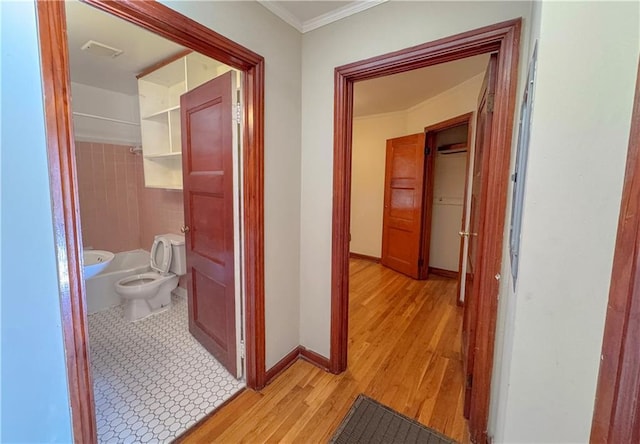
[404,351]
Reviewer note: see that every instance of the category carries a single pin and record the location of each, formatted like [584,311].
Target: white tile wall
[152,379]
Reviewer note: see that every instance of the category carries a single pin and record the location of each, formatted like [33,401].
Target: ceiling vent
[100,49]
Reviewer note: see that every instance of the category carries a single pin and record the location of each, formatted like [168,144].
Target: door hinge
[469,380]
[243,350]
[237,113]
[490,102]
[427,150]
[420,262]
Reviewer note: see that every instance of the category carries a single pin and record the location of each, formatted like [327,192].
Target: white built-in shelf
[165,186]
[159,94]
[158,115]
[163,156]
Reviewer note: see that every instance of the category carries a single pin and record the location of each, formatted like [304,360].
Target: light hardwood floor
[404,351]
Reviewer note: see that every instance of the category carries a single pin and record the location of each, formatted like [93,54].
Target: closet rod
[109,119]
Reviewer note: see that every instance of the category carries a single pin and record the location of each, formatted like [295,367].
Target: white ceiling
[402,91]
[311,14]
[141,49]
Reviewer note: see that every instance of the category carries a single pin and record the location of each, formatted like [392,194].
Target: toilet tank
[178,253]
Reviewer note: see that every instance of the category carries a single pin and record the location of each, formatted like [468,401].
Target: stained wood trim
[450,123]
[427,204]
[299,352]
[173,26]
[444,273]
[616,418]
[65,213]
[493,214]
[253,167]
[162,63]
[283,364]
[364,257]
[503,38]
[314,358]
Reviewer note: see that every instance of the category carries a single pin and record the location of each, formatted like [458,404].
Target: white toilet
[148,293]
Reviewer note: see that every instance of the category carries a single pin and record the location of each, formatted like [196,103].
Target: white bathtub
[101,293]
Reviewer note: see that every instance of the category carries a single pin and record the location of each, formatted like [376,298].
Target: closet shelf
[163,156]
[161,113]
[453,148]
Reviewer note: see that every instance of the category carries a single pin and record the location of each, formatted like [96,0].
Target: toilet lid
[161,255]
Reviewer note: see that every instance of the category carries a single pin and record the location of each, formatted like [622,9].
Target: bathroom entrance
[157,152]
[119,168]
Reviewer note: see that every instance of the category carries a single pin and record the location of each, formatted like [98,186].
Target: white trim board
[321,20]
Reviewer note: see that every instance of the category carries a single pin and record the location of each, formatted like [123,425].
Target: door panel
[403,199]
[207,164]
[478,190]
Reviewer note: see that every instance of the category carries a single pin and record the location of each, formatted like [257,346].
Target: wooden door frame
[616,417]
[435,128]
[503,38]
[171,25]
[429,169]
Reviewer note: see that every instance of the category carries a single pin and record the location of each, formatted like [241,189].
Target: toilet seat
[141,283]
[161,253]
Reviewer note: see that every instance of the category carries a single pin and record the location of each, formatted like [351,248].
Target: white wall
[384,28]
[35,396]
[104,103]
[368,163]
[553,322]
[256,28]
[370,136]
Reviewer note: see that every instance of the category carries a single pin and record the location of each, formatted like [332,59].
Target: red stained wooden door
[403,204]
[471,289]
[207,166]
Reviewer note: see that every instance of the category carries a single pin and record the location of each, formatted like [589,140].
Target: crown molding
[333,16]
[283,13]
[321,20]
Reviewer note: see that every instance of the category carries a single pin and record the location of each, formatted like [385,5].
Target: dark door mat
[368,421]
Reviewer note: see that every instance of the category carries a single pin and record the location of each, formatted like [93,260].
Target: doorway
[55,66]
[410,169]
[502,39]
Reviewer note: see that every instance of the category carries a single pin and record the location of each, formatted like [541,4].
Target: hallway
[404,351]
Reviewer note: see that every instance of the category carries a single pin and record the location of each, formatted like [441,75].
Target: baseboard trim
[282,365]
[297,353]
[364,257]
[444,273]
[314,358]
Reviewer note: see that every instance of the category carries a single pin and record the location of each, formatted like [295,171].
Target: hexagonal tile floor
[152,379]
